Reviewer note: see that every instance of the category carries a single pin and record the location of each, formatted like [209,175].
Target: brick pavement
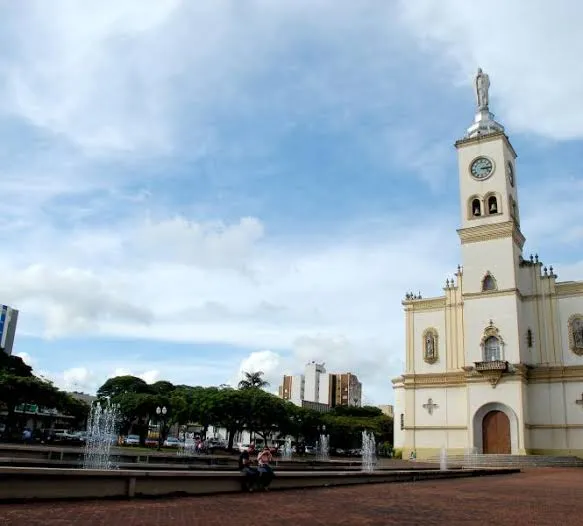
[545,496]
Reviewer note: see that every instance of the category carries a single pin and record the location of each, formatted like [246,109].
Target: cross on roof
[430,406]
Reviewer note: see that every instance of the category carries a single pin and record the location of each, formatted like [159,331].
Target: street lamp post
[161,412]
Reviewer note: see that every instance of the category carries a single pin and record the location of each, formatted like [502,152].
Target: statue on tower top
[482,84]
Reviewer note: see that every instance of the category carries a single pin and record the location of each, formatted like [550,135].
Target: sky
[195,189]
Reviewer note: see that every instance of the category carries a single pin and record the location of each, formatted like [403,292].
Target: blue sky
[196,189]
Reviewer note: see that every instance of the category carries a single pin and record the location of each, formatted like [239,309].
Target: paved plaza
[545,496]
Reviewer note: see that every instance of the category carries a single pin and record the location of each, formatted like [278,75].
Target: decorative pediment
[575,327]
[430,340]
[491,331]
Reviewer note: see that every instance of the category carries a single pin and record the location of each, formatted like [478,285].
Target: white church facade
[496,363]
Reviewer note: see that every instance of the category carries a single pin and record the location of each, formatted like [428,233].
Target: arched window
[476,207]
[489,283]
[492,349]
[492,205]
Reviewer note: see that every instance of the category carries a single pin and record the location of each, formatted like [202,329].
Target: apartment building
[316,386]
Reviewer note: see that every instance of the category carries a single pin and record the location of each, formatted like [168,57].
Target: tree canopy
[253,380]
[248,407]
[18,386]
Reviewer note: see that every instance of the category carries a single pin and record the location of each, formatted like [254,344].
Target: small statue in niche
[577,328]
[430,347]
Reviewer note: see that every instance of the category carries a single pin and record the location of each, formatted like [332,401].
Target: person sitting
[251,474]
[266,474]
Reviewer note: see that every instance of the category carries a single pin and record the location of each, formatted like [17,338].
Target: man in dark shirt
[251,474]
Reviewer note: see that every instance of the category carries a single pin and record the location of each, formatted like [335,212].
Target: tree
[365,411]
[253,380]
[14,365]
[230,411]
[16,390]
[264,412]
[119,385]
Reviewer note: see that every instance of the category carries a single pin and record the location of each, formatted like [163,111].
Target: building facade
[317,389]
[388,410]
[495,364]
[345,389]
[8,320]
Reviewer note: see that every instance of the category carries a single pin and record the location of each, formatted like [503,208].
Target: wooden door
[496,433]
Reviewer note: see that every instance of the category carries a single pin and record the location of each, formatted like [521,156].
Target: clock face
[481,168]
[510,173]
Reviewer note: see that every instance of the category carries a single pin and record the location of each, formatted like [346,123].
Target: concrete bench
[18,483]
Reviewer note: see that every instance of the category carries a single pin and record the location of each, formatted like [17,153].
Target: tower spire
[484,122]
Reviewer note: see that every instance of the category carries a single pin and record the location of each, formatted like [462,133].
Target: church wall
[423,320]
[446,427]
[526,277]
[527,314]
[478,312]
[399,434]
[555,421]
[568,306]
[476,265]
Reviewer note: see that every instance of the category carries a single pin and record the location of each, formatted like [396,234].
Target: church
[495,364]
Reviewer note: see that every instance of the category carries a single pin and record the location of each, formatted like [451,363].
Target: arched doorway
[496,433]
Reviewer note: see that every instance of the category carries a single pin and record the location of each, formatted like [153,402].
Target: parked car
[171,442]
[151,442]
[132,440]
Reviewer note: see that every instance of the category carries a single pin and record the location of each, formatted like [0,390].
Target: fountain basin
[23,484]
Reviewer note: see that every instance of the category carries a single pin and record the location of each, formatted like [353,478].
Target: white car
[243,447]
[171,442]
[132,440]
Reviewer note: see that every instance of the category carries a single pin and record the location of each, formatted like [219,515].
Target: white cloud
[268,362]
[330,299]
[530,49]
[71,300]
[205,245]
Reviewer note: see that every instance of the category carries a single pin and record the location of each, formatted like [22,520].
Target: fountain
[323,452]
[188,447]
[101,434]
[443,459]
[368,451]
[471,456]
[286,453]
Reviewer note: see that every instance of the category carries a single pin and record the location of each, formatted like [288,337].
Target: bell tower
[490,222]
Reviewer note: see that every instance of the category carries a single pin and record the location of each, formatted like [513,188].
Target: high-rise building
[8,319]
[292,389]
[345,389]
[315,386]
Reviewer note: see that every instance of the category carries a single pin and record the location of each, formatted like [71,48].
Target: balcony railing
[494,365]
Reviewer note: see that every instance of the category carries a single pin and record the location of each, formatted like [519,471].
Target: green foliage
[364,411]
[249,407]
[14,365]
[18,385]
[119,385]
[253,381]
